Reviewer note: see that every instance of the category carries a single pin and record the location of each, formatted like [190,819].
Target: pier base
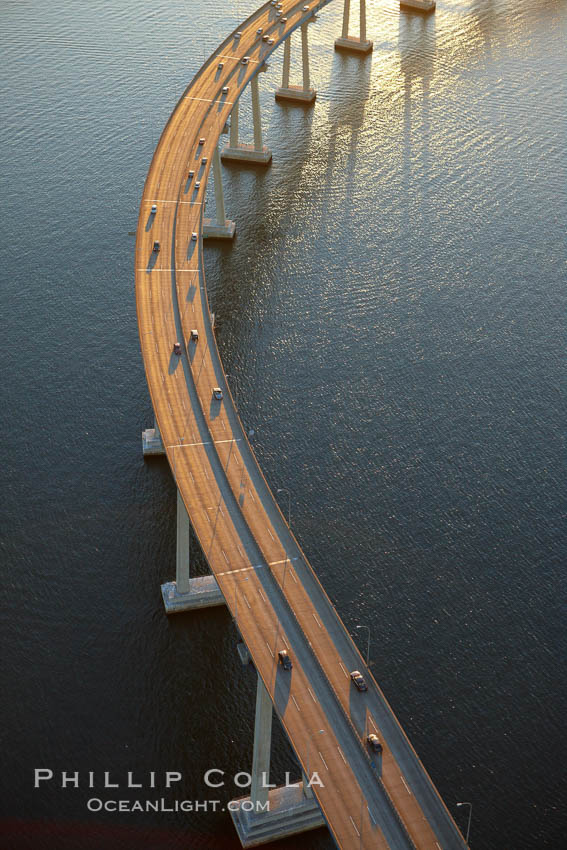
[151,442]
[350,44]
[204,592]
[290,812]
[247,153]
[418,5]
[213,230]
[296,95]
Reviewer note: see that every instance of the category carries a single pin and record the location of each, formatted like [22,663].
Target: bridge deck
[265,578]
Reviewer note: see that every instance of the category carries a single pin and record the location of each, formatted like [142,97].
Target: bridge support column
[257,153]
[299,95]
[349,43]
[151,441]
[271,813]
[418,5]
[185,593]
[221,228]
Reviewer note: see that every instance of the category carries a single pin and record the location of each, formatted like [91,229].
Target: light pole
[368,644]
[236,583]
[309,738]
[285,490]
[469,822]
[234,390]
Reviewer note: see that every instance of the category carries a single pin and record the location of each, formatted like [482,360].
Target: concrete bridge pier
[221,228]
[349,43]
[186,593]
[151,441]
[418,5]
[270,813]
[298,95]
[257,153]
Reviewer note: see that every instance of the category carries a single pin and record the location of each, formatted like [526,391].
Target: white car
[154,208]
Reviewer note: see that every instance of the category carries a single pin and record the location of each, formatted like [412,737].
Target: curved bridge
[266,580]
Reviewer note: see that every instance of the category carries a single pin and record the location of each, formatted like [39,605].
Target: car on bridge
[177,348]
[359,682]
[284,659]
[156,248]
[374,743]
[217,393]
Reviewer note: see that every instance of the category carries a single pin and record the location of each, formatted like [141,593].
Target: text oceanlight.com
[95,804]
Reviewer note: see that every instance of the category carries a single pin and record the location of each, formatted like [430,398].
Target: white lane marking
[191,474]
[438,845]
[145,269]
[261,594]
[238,58]
[206,473]
[224,556]
[405,783]
[286,643]
[373,724]
[170,410]
[317,621]
[291,572]
[167,201]
[271,650]
[312,694]
[206,443]
[221,510]
[322,759]
[248,568]
[343,668]
[295,702]
[251,495]
[270,533]
[353,823]
[210,99]
[239,550]
[208,518]
[246,600]
[341,754]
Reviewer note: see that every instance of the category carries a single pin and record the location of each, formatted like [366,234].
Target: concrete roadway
[267,582]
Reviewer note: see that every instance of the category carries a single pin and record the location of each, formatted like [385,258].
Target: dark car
[156,247]
[284,659]
[359,682]
[177,348]
[374,743]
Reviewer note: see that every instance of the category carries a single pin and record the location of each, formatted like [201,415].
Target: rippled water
[391,312]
